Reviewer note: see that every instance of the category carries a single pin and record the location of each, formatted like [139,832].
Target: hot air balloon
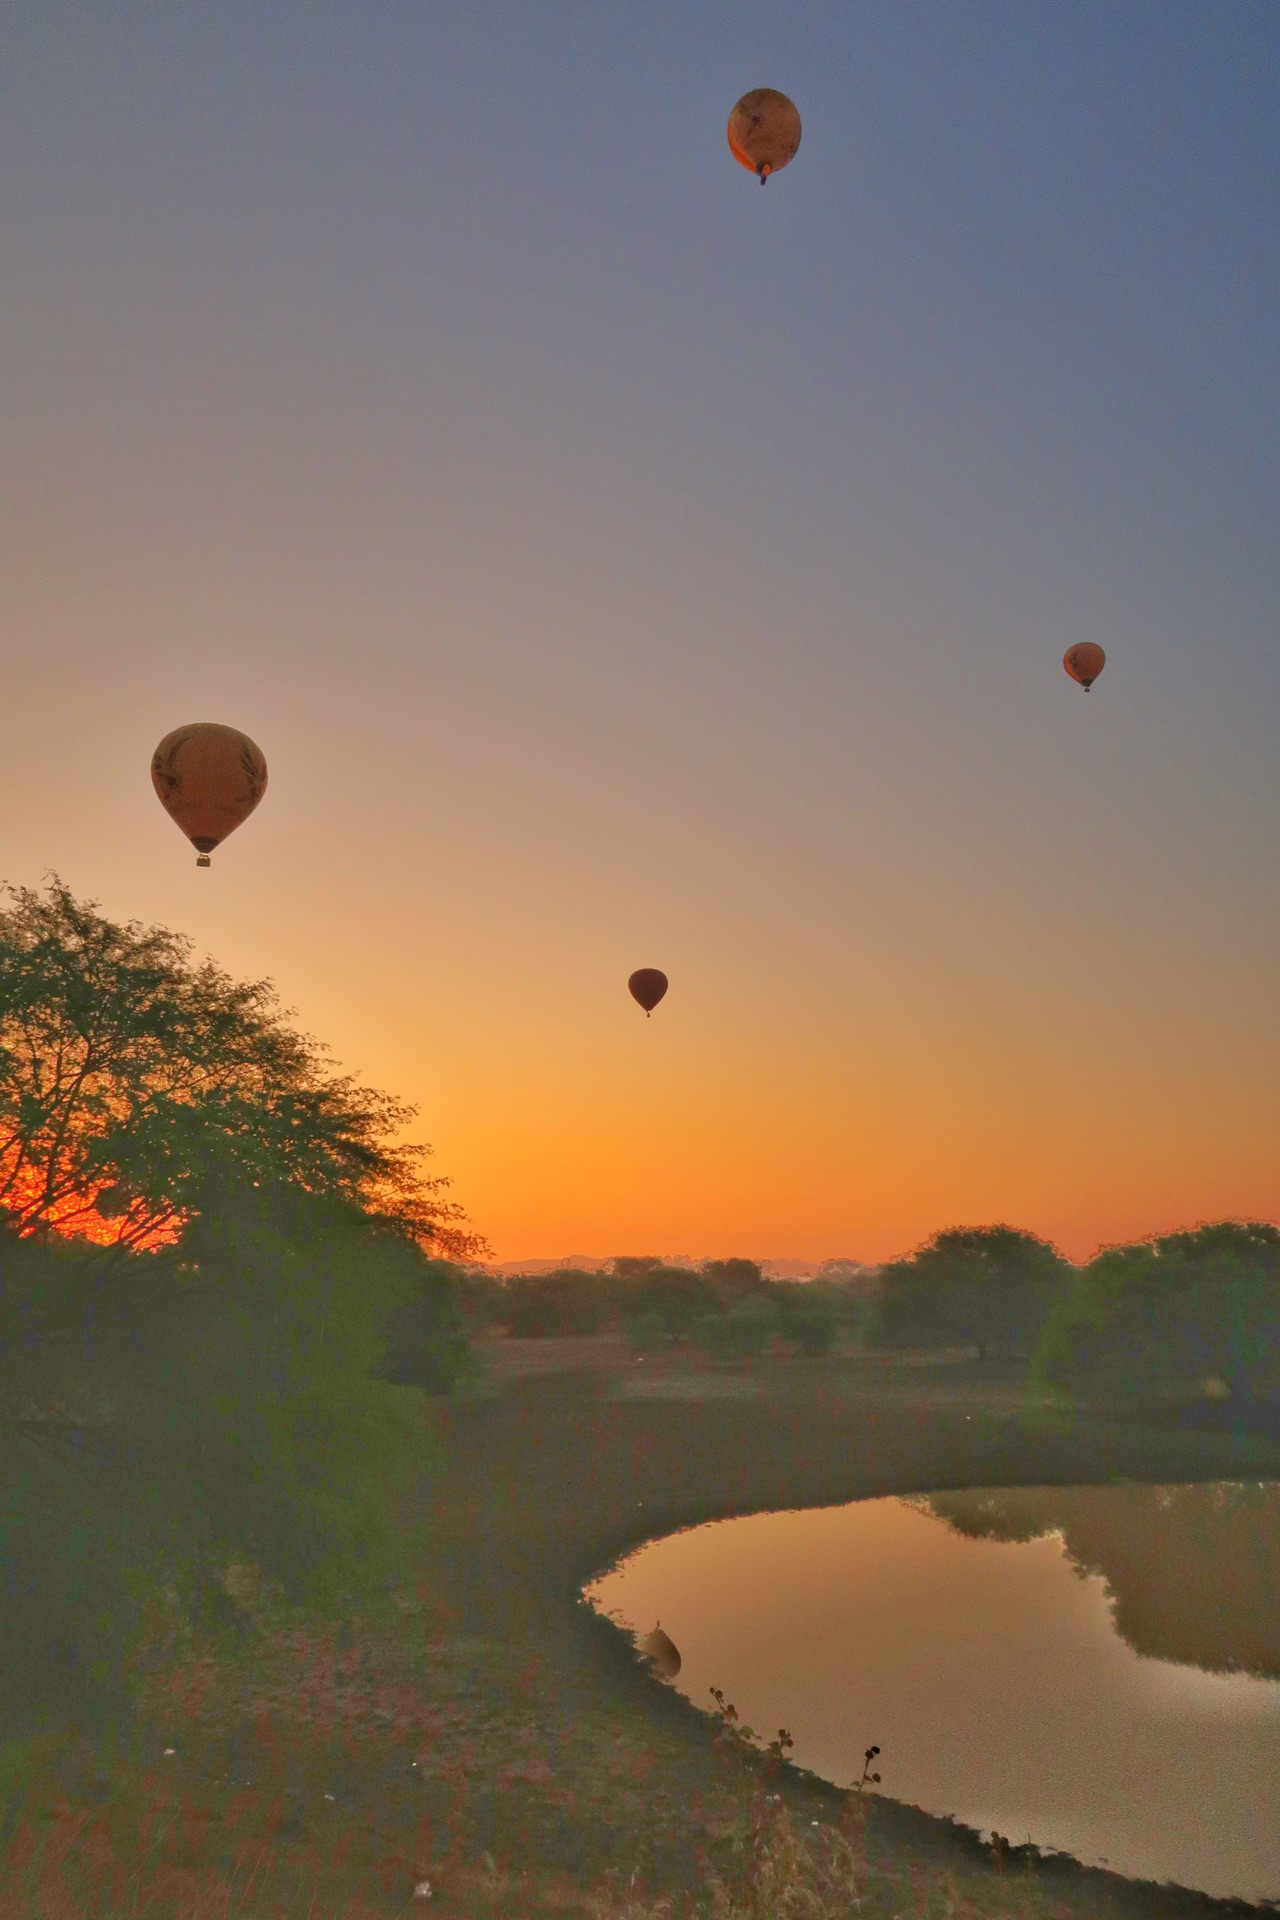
[1084,663]
[663,1652]
[209,778]
[764,131]
[647,985]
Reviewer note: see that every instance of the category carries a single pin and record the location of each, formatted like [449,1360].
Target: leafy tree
[739,1332]
[568,1301]
[634,1266]
[989,1287]
[1177,1316]
[216,1402]
[807,1316]
[735,1279]
[646,1332]
[215,1287]
[132,1082]
[676,1296]
[481,1297]
[426,1336]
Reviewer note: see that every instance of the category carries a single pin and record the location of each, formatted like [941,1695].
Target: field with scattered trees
[291,1558]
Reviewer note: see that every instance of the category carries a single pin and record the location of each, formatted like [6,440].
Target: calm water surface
[1093,1669]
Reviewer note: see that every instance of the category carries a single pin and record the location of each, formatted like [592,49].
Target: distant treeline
[726,1307]
[1190,1318]
[1187,1319]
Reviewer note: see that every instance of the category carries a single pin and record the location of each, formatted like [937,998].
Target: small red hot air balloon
[1084,663]
[209,779]
[764,131]
[647,985]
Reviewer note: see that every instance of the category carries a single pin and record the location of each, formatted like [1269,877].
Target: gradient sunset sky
[622,566]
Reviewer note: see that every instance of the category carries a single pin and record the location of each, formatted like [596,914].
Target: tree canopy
[1175,1316]
[135,1084]
[971,1286]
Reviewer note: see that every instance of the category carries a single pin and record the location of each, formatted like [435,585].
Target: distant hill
[588,1263]
[838,1269]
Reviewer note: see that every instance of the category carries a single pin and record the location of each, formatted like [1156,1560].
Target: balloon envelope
[647,985]
[764,131]
[663,1652]
[1084,663]
[209,778]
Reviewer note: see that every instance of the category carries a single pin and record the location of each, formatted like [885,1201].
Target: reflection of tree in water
[1193,1571]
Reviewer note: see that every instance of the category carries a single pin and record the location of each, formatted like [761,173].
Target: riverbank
[488,1734]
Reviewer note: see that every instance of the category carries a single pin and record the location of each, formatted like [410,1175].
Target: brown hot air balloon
[647,985]
[209,778]
[764,131]
[1084,663]
[663,1652]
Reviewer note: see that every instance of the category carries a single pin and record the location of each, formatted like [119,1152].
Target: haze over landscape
[622,566]
[746,720]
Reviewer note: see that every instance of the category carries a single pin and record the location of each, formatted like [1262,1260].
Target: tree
[225,1401]
[735,1279]
[807,1315]
[675,1296]
[426,1335]
[216,1303]
[481,1297]
[568,1301]
[739,1332]
[135,1084]
[1180,1316]
[989,1287]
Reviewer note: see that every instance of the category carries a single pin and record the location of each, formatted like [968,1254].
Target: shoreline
[487,1731]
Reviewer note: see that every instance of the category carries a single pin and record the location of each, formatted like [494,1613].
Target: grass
[489,1734]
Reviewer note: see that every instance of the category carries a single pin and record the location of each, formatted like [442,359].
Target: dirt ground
[488,1734]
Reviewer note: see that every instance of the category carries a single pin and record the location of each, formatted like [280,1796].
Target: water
[1093,1669]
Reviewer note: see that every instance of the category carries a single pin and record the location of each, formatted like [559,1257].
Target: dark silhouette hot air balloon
[663,1652]
[647,985]
[764,131]
[1084,663]
[209,778]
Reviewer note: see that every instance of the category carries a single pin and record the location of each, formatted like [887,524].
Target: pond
[1094,1669]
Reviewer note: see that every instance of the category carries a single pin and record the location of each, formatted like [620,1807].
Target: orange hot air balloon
[209,778]
[663,1652]
[1084,663]
[647,985]
[764,131]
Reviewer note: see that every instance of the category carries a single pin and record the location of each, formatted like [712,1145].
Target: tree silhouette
[135,1084]
[971,1286]
[1177,1316]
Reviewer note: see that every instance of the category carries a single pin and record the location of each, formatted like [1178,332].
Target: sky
[622,566]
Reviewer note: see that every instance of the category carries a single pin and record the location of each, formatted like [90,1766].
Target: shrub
[427,1343]
[677,1295]
[740,1334]
[541,1306]
[166,1413]
[807,1316]
[646,1332]
[1183,1316]
[814,1333]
